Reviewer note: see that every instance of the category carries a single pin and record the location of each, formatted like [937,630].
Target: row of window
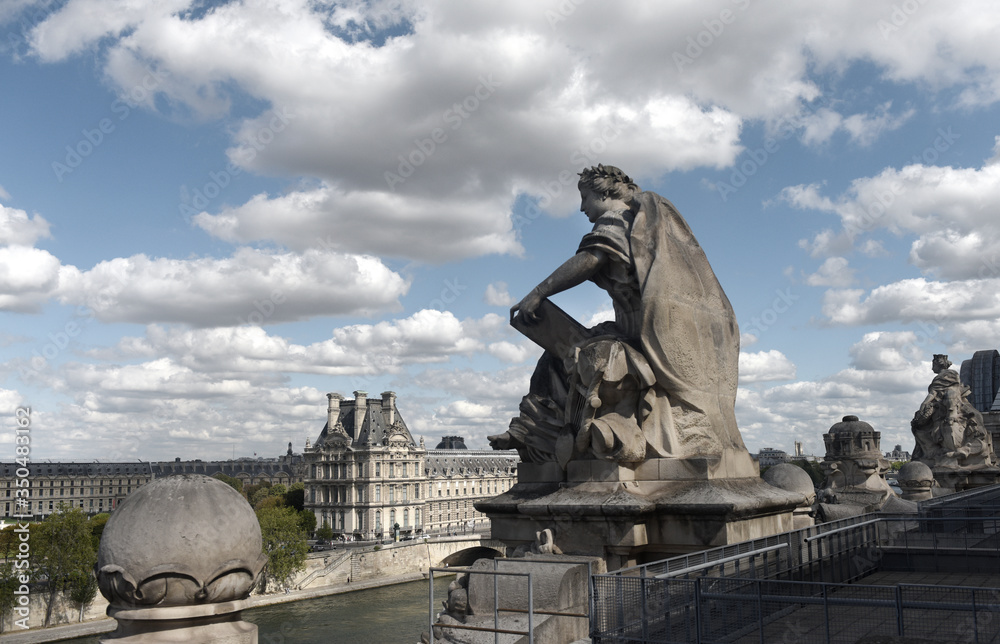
[39,507]
[346,470]
[72,491]
[80,482]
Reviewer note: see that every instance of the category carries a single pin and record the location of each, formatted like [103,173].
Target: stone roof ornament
[183,551]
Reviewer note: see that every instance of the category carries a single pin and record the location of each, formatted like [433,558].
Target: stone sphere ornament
[180,541]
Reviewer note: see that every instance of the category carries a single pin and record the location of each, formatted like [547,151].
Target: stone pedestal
[661,508]
[960,479]
[206,624]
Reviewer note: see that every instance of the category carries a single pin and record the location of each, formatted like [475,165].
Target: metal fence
[795,587]
[744,611]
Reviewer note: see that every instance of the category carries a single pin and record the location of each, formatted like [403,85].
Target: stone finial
[181,551]
[916,481]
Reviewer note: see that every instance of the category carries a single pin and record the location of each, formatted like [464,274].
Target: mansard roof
[452,462]
[374,431]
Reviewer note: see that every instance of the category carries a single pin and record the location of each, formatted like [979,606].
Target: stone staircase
[323,572]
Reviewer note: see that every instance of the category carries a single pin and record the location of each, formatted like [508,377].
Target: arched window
[378,493]
[378,520]
[392,518]
[416,518]
[406,518]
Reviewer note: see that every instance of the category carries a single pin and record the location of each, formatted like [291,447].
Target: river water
[388,615]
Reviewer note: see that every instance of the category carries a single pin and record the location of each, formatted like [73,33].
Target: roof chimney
[389,407]
[360,411]
[333,410]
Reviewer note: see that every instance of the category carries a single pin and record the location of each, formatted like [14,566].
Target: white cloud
[366,350]
[251,286]
[18,229]
[915,299]
[765,365]
[514,353]
[497,295]
[833,272]
[866,128]
[950,211]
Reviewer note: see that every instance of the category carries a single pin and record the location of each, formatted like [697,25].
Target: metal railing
[766,589]
[496,630]
[497,609]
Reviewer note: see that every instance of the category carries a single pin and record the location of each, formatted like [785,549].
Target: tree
[97,523]
[814,470]
[326,532]
[8,584]
[284,544]
[296,496]
[62,552]
[83,590]
[307,521]
[231,481]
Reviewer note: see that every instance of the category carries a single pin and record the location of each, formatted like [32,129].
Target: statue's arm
[576,270]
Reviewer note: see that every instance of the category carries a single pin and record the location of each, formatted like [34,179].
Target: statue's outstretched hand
[527,307]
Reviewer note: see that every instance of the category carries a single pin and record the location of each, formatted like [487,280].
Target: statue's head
[607,181]
[940,362]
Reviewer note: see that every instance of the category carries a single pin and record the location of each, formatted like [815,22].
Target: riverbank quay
[106,625]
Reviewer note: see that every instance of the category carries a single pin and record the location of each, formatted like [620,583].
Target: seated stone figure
[660,380]
[949,431]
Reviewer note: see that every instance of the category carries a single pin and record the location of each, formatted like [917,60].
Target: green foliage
[231,481]
[259,492]
[814,471]
[897,465]
[279,490]
[296,497]
[62,552]
[8,542]
[97,523]
[8,584]
[307,521]
[82,590]
[284,543]
[269,502]
[326,532]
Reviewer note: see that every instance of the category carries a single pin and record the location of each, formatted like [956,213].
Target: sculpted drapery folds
[659,381]
[948,430]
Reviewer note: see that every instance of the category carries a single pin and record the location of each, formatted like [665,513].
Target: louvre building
[366,474]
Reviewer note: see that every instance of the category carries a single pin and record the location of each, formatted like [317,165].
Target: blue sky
[213,213]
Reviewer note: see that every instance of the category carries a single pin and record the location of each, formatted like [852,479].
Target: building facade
[286,469]
[365,474]
[92,487]
[771,456]
[99,487]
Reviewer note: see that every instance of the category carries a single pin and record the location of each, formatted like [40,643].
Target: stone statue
[949,431]
[657,382]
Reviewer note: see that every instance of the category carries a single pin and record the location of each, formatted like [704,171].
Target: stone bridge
[343,565]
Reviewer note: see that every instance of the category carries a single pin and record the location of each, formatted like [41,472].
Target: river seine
[388,615]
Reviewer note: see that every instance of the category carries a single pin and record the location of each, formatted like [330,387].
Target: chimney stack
[333,410]
[389,407]
[360,410]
